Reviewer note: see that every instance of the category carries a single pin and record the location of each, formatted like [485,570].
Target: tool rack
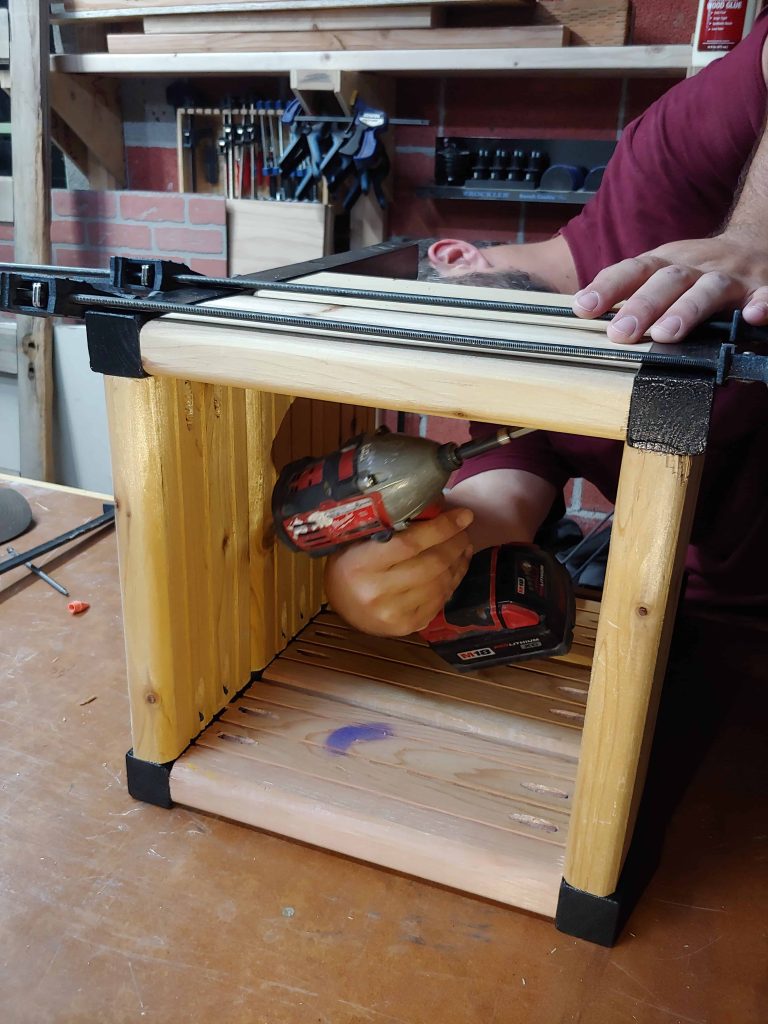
[251,700]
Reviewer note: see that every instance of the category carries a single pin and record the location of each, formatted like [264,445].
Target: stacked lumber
[244,26]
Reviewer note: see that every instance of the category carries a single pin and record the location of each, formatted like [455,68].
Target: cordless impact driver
[515,601]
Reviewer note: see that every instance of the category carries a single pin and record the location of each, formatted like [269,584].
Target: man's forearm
[749,215]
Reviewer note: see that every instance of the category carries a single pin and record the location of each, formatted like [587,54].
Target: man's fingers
[430,564]
[756,310]
[614,284]
[713,291]
[649,303]
[423,535]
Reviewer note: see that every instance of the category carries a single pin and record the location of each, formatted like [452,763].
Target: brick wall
[89,227]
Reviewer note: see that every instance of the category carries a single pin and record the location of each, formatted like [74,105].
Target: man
[679,229]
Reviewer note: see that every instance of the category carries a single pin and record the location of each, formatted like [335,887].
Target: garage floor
[114,911]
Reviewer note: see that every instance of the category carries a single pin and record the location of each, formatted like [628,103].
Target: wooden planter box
[520,784]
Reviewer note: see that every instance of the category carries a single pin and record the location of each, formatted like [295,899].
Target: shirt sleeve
[676,168]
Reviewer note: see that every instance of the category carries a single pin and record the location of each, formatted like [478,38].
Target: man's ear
[454,254]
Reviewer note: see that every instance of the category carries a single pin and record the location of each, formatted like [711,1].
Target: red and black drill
[515,602]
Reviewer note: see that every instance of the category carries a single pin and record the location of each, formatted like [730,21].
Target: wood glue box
[720,25]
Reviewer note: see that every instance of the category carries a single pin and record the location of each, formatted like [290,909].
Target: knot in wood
[152,698]
[642,610]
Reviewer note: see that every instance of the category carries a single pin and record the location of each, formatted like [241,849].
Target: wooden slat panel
[384,39]
[452,706]
[265,698]
[547,666]
[518,870]
[547,686]
[154,565]
[291,750]
[463,688]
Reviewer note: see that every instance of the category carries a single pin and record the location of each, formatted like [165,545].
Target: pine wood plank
[463,688]
[546,686]
[265,699]
[449,707]
[286,618]
[136,8]
[299,750]
[32,217]
[634,61]
[327,619]
[260,424]
[154,565]
[514,869]
[266,235]
[435,289]
[301,445]
[651,526]
[590,400]
[333,19]
[318,41]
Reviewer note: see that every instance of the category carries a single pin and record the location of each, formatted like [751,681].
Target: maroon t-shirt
[673,176]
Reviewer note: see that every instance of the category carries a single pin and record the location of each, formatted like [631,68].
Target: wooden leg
[181,487]
[654,509]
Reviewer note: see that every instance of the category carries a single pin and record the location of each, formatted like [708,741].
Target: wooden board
[262,235]
[109,10]
[635,61]
[450,784]
[311,361]
[590,22]
[333,19]
[394,39]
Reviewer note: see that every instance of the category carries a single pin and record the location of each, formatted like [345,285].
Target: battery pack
[515,602]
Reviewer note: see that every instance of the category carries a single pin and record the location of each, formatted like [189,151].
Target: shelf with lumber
[634,61]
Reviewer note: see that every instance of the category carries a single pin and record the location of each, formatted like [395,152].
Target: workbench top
[114,910]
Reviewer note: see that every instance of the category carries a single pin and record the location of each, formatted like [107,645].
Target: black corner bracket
[113,343]
[600,919]
[670,408]
[148,781]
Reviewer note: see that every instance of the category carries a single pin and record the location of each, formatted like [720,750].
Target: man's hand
[672,289]
[396,588]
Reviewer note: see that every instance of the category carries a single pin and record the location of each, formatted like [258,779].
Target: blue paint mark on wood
[340,740]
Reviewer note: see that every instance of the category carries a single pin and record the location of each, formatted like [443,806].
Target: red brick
[207,211]
[152,207]
[6,254]
[592,500]
[119,236]
[71,231]
[212,268]
[189,240]
[63,257]
[152,169]
[6,232]
[658,21]
[84,204]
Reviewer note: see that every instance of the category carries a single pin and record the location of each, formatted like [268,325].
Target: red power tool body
[514,602]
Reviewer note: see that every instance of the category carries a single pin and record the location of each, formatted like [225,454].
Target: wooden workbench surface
[113,910]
